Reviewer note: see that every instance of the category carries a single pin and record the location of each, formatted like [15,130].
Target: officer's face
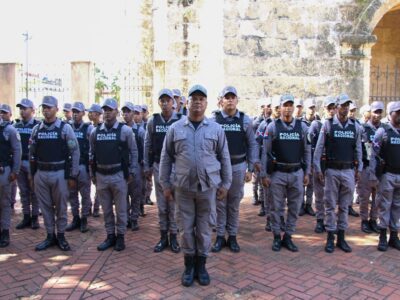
[49,112]
[229,102]
[376,116]
[6,116]
[94,116]
[25,112]
[165,103]
[77,115]
[311,111]
[267,110]
[178,102]
[110,115]
[67,114]
[197,104]
[395,118]
[137,117]
[287,109]
[276,111]
[298,111]
[330,110]
[352,113]
[343,109]
[127,114]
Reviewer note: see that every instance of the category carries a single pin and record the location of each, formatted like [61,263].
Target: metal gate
[385,83]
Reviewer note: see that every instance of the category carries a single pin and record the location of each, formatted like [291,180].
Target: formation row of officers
[199,166]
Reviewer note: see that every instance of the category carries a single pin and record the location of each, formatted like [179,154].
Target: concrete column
[9,84]
[82,82]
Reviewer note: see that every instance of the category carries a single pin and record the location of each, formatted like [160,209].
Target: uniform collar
[174,116]
[291,123]
[57,123]
[348,122]
[103,126]
[204,121]
[225,115]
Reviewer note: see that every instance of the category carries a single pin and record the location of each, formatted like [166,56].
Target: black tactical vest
[288,145]
[139,143]
[340,143]
[235,135]
[50,146]
[159,131]
[25,132]
[5,148]
[109,146]
[390,150]
[81,136]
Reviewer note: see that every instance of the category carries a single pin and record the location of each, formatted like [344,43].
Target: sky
[64,31]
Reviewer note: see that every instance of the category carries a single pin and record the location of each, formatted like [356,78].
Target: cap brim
[23,105]
[107,106]
[198,91]
[169,96]
[5,110]
[48,104]
[76,108]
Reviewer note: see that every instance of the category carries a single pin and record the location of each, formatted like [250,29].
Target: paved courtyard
[254,273]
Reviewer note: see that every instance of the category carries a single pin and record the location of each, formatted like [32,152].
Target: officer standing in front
[199,149]
[82,132]
[243,151]
[30,205]
[54,162]
[157,128]
[340,138]
[10,163]
[387,149]
[286,166]
[113,156]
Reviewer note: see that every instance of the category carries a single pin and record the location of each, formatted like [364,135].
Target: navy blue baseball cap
[166,92]
[128,105]
[78,106]
[67,107]
[26,103]
[197,88]
[329,100]
[343,98]
[50,101]
[227,90]
[95,108]
[111,103]
[5,107]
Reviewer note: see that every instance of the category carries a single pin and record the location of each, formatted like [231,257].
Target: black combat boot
[288,243]
[75,224]
[319,227]
[188,274]
[173,242]
[373,225]
[261,213]
[341,243]
[148,201]
[202,275]
[383,243]
[233,244]
[277,243]
[108,242]
[141,210]
[84,227]
[96,213]
[309,210]
[5,238]
[302,211]
[219,244]
[394,241]
[134,225]
[163,242]
[35,222]
[120,242]
[62,242]
[330,242]
[268,225]
[25,222]
[50,241]
[352,212]
[365,226]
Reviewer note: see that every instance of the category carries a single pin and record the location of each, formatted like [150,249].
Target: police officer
[30,205]
[135,194]
[365,112]
[198,148]
[298,108]
[243,151]
[82,132]
[113,156]
[286,167]
[94,114]
[318,187]
[10,163]
[387,148]
[146,182]
[368,182]
[67,111]
[54,158]
[340,138]
[157,128]
[307,118]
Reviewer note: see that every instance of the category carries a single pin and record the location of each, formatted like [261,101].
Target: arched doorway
[385,58]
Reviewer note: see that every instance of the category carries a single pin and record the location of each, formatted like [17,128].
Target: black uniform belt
[25,157]
[339,165]
[5,163]
[235,161]
[392,169]
[287,168]
[109,171]
[50,167]
[365,164]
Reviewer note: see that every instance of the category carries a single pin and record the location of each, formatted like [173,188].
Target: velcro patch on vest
[343,134]
[111,136]
[79,134]
[231,127]
[291,136]
[24,130]
[51,135]
[394,140]
[161,128]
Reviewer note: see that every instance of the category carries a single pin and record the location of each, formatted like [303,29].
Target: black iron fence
[385,83]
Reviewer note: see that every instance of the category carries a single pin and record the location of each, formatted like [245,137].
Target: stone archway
[357,47]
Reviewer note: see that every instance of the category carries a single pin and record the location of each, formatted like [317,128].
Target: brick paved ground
[255,273]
